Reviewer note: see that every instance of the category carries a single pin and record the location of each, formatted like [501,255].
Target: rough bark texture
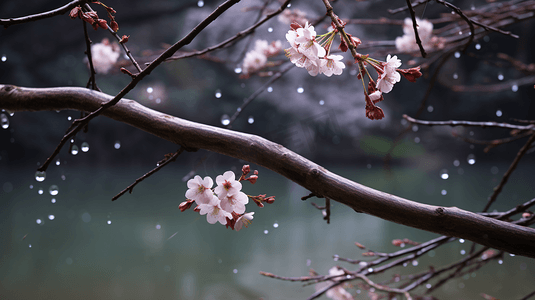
[449,221]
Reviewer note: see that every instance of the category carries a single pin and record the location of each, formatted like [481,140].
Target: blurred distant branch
[30,18]
[469,124]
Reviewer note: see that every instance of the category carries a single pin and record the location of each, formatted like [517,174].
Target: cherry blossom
[253,61]
[199,190]
[235,203]
[390,76]
[407,42]
[214,213]
[331,65]
[227,185]
[244,220]
[104,55]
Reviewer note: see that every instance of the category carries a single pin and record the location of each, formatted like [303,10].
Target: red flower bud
[252,179]
[185,205]
[410,74]
[102,23]
[75,12]
[374,112]
[124,39]
[245,169]
[295,25]
[114,26]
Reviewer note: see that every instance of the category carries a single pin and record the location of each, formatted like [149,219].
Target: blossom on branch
[214,213]
[390,76]
[235,203]
[244,220]
[227,185]
[200,190]
[407,42]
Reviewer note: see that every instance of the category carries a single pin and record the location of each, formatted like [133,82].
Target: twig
[404,8]
[160,166]
[509,171]
[469,21]
[469,124]
[91,82]
[58,11]
[415,28]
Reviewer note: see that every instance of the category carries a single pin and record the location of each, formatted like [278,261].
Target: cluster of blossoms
[257,58]
[104,55]
[407,42]
[288,16]
[226,202]
[312,52]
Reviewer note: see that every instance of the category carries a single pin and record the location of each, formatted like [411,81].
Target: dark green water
[78,255]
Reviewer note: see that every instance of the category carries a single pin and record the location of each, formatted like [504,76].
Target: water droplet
[235,271]
[158,226]
[158,100]
[275,225]
[86,217]
[69,118]
[443,192]
[74,150]
[428,286]
[514,88]
[461,241]
[444,174]
[270,29]
[494,170]
[200,3]
[300,90]
[457,54]
[40,192]
[430,108]
[150,90]
[58,162]
[38,221]
[363,264]
[471,159]
[511,254]
[309,262]
[456,163]
[370,270]
[238,109]
[463,252]
[117,145]
[4,58]
[109,222]
[416,140]
[499,113]
[30,245]
[500,76]
[85,147]
[4,121]
[415,263]
[218,94]
[62,177]
[51,217]
[237,70]
[250,120]
[269,89]
[225,119]
[53,190]
[455,76]
[322,102]
[414,127]
[53,200]
[336,257]
[31,186]
[369,166]
[461,33]
[266,231]
[478,46]
[40,176]
[500,261]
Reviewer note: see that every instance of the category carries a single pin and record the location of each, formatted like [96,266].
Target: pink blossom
[199,190]
[244,220]
[227,185]
[235,203]
[214,213]
[104,55]
[253,61]
[331,65]
[390,76]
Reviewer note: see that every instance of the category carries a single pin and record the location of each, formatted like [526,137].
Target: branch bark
[449,221]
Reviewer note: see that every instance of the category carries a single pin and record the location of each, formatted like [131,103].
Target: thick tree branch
[449,221]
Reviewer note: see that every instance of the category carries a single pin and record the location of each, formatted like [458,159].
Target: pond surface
[77,244]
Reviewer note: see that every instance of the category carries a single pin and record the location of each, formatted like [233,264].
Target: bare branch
[58,11]
[469,124]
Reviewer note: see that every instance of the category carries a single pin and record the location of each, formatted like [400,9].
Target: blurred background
[62,237]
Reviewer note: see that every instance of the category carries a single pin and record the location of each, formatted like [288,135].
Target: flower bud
[185,205]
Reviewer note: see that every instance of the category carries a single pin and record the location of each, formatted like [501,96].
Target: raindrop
[200,3]
[471,159]
[4,59]
[40,192]
[428,286]
[369,166]
[69,118]
[158,100]
[62,177]
[494,170]
[461,241]
[53,190]
[511,254]
[275,225]
[415,128]
[456,163]
[225,119]
[415,263]
[270,29]
[30,245]
[499,113]
[514,88]
[500,261]
[86,217]
[478,46]
[238,109]
[300,90]
[444,174]
[322,102]
[250,120]
[31,186]
[430,108]
[85,147]
[53,200]
[269,89]
[457,54]
[40,176]
[74,150]
[266,231]
[38,221]
[463,252]
[416,140]
[363,264]
[335,257]
[4,121]
[237,70]
[443,192]
[309,262]
[51,217]
[158,226]
[58,162]
[150,90]
[460,33]
[218,94]
[455,76]
[370,270]
[500,76]
[405,264]
[117,145]
[235,271]
[109,222]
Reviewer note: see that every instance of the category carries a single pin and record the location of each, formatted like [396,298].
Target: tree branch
[58,11]
[449,221]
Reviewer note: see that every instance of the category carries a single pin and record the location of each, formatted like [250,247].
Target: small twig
[469,124]
[469,21]
[509,171]
[404,8]
[161,164]
[91,82]
[58,11]
[415,28]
